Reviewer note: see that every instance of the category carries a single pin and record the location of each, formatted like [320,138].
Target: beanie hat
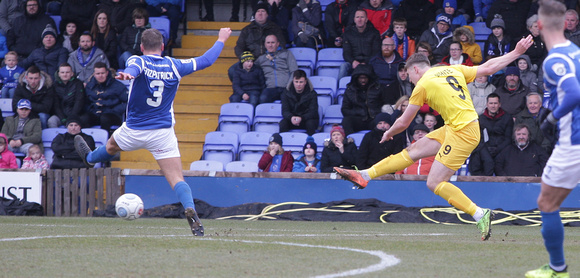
[48,31]
[73,120]
[261,5]
[512,70]
[337,128]
[385,117]
[497,22]
[444,18]
[310,144]
[450,3]
[276,137]
[421,127]
[246,56]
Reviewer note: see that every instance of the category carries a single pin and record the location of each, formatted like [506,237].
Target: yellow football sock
[391,164]
[455,197]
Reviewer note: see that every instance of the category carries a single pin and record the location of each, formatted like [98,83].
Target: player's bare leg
[172,169]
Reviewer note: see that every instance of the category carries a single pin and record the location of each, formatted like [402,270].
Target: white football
[129,206]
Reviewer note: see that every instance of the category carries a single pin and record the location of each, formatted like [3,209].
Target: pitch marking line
[386,259]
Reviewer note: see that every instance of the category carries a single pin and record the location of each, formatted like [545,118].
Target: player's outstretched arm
[494,65]
[124,76]
[224,34]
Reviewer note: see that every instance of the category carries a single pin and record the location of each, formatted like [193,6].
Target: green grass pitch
[155,247]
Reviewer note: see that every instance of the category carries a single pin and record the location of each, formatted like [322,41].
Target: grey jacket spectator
[338,16]
[84,58]
[439,37]
[572,32]
[9,11]
[527,76]
[277,67]
[479,92]
[26,32]
[252,36]
[512,92]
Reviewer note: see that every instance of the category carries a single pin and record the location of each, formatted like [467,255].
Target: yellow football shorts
[456,146]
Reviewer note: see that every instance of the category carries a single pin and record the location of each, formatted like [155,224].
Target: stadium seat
[242,166]
[342,83]
[319,139]
[252,145]
[325,87]
[161,24]
[332,115]
[236,117]
[99,135]
[481,31]
[294,142]
[56,19]
[220,146]
[206,165]
[329,61]
[6,107]
[324,3]
[48,153]
[48,135]
[305,58]
[357,137]
[267,117]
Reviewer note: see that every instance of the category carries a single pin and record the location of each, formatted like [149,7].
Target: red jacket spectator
[379,16]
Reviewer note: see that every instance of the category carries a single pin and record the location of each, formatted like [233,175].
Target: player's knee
[545,204]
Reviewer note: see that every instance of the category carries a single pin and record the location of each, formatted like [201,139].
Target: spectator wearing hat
[83,59]
[65,155]
[513,12]
[299,105]
[35,86]
[360,42]
[252,36]
[421,166]
[309,162]
[47,57]
[69,96]
[22,129]
[450,10]
[248,80]
[498,42]
[371,151]
[339,151]
[512,92]
[466,37]
[25,35]
[275,159]
[439,37]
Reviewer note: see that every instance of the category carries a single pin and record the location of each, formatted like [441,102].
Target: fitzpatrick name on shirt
[158,74]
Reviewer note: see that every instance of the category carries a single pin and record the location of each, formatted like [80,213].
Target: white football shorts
[162,143]
[563,168]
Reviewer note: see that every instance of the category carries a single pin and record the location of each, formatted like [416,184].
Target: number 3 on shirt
[157,89]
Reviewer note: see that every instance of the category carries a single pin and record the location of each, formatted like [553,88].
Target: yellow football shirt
[445,90]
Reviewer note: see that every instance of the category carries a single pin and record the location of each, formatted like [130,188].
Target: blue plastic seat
[325,87]
[162,24]
[481,31]
[242,166]
[99,135]
[206,165]
[267,117]
[6,107]
[48,135]
[332,115]
[305,58]
[220,146]
[319,139]
[252,145]
[236,117]
[342,83]
[294,142]
[329,61]
[357,137]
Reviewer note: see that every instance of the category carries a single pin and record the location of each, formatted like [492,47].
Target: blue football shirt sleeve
[570,85]
[134,66]
[561,72]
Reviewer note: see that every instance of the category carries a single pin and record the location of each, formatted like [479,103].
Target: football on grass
[129,206]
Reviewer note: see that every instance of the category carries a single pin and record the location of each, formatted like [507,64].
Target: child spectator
[527,76]
[9,74]
[7,158]
[309,162]
[466,37]
[247,80]
[457,19]
[35,159]
[430,121]
[479,90]
[130,41]
[403,44]
[497,43]
[275,159]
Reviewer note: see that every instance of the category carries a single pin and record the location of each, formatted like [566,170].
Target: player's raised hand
[124,76]
[386,137]
[224,34]
[524,44]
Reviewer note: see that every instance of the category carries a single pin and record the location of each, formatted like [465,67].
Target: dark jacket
[512,161]
[360,46]
[493,47]
[514,15]
[252,38]
[109,45]
[286,165]
[439,42]
[26,32]
[313,16]
[65,155]
[304,105]
[513,102]
[537,51]
[418,14]
[371,151]
[499,129]
[387,73]
[331,156]
[41,100]
[363,102]
[69,99]
[130,40]
[82,11]
[111,94]
[535,134]
[337,18]
[245,81]
[281,15]
[46,60]
[32,130]
[120,13]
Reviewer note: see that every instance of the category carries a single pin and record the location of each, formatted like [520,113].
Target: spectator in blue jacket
[9,74]
[49,56]
[106,99]
[386,64]
[247,80]
[309,162]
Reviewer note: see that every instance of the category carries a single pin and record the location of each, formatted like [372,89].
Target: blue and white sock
[553,233]
[100,154]
[183,192]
